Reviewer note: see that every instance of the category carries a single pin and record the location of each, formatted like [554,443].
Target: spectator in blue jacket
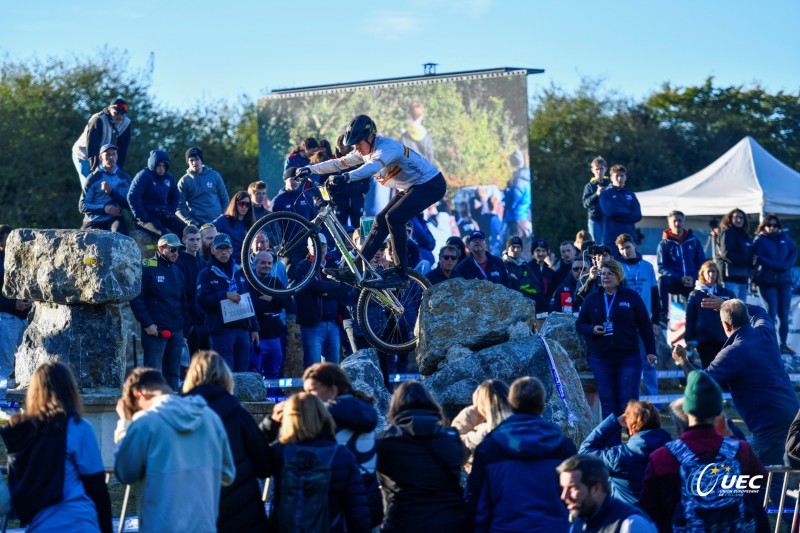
[163,310]
[513,485]
[153,197]
[202,193]
[301,156]
[481,264]
[236,221]
[224,280]
[679,256]
[517,198]
[775,256]
[703,329]
[105,194]
[620,208]
[627,463]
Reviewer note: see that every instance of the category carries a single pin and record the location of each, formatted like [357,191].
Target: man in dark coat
[153,197]
[513,485]
[481,264]
[445,268]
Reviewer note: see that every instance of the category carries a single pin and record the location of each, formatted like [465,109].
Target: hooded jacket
[775,257]
[679,257]
[151,194]
[626,462]
[178,456]
[240,506]
[201,197]
[519,457]
[621,212]
[419,465]
[93,200]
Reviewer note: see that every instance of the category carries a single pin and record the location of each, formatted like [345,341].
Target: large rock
[249,387]
[454,384]
[366,376]
[560,327]
[87,337]
[469,315]
[72,266]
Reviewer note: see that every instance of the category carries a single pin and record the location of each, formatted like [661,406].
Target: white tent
[746,176]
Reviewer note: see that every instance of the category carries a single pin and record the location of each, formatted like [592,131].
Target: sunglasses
[771,226]
[243,204]
[171,249]
[449,258]
[121,107]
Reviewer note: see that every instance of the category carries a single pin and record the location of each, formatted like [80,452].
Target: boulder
[71,266]
[89,338]
[469,315]
[366,376]
[293,358]
[560,327]
[249,387]
[455,382]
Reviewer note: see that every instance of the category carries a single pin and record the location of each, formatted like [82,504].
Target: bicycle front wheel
[386,328]
[286,235]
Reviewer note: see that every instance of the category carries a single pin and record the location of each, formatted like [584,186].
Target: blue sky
[218,50]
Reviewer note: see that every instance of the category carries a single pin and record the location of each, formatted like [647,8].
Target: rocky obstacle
[71,267]
[249,387]
[366,376]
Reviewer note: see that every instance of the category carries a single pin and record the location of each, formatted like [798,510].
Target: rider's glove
[335,181]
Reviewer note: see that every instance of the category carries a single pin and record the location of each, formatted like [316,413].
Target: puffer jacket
[519,457]
[679,257]
[775,256]
[626,462]
[240,506]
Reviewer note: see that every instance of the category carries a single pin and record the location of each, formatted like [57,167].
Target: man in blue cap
[105,194]
[481,264]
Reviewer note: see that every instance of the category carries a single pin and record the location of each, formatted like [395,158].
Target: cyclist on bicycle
[419,184]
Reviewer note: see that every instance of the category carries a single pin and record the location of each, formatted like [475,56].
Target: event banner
[467,124]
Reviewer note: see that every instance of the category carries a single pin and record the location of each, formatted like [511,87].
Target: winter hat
[194,151]
[512,241]
[516,159]
[702,396]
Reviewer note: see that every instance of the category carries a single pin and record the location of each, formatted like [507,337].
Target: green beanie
[703,396]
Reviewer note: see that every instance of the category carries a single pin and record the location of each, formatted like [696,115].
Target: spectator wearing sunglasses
[201,192]
[236,221]
[110,126]
[775,255]
[446,267]
[162,309]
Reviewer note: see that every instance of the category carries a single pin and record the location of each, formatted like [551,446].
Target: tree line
[672,133]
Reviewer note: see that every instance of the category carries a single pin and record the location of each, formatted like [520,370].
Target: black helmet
[359,129]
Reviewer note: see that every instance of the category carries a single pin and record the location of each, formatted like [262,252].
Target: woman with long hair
[236,221]
[489,408]
[55,471]
[306,448]
[703,326]
[419,465]
[775,254]
[240,505]
[734,253]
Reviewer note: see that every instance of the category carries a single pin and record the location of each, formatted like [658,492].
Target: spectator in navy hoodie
[627,462]
[513,485]
[680,255]
[775,256]
[301,156]
[620,207]
[153,197]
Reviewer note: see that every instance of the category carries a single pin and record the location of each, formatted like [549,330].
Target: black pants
[349,209]
[392,219]
[116,224]
[160,224]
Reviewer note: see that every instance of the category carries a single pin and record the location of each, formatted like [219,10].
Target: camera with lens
[605,182]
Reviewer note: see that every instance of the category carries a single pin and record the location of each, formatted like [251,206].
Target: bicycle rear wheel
[287,236]
[385,328]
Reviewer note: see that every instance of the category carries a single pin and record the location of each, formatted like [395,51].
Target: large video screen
[467,125]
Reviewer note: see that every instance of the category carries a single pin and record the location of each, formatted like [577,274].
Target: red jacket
[661,490]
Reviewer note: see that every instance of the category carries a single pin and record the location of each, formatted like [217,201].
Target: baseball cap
[539,243]
[120,104]
[512,241]
[221,240]
[108,146]
[170,239]
[477,235]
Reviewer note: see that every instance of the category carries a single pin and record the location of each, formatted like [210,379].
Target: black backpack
[305,481]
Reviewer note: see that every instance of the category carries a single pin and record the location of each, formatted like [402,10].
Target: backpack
[305,481]
[705,505]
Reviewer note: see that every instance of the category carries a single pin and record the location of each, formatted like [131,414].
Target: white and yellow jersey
[392,164]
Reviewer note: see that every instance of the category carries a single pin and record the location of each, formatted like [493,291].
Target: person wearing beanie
[202,195]
[153,197]
[708,438]
[110,126]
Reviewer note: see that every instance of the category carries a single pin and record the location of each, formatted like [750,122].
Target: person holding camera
[590,282]
[591,197]
[613,319]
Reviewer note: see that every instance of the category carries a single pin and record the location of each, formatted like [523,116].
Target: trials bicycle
[386,317]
